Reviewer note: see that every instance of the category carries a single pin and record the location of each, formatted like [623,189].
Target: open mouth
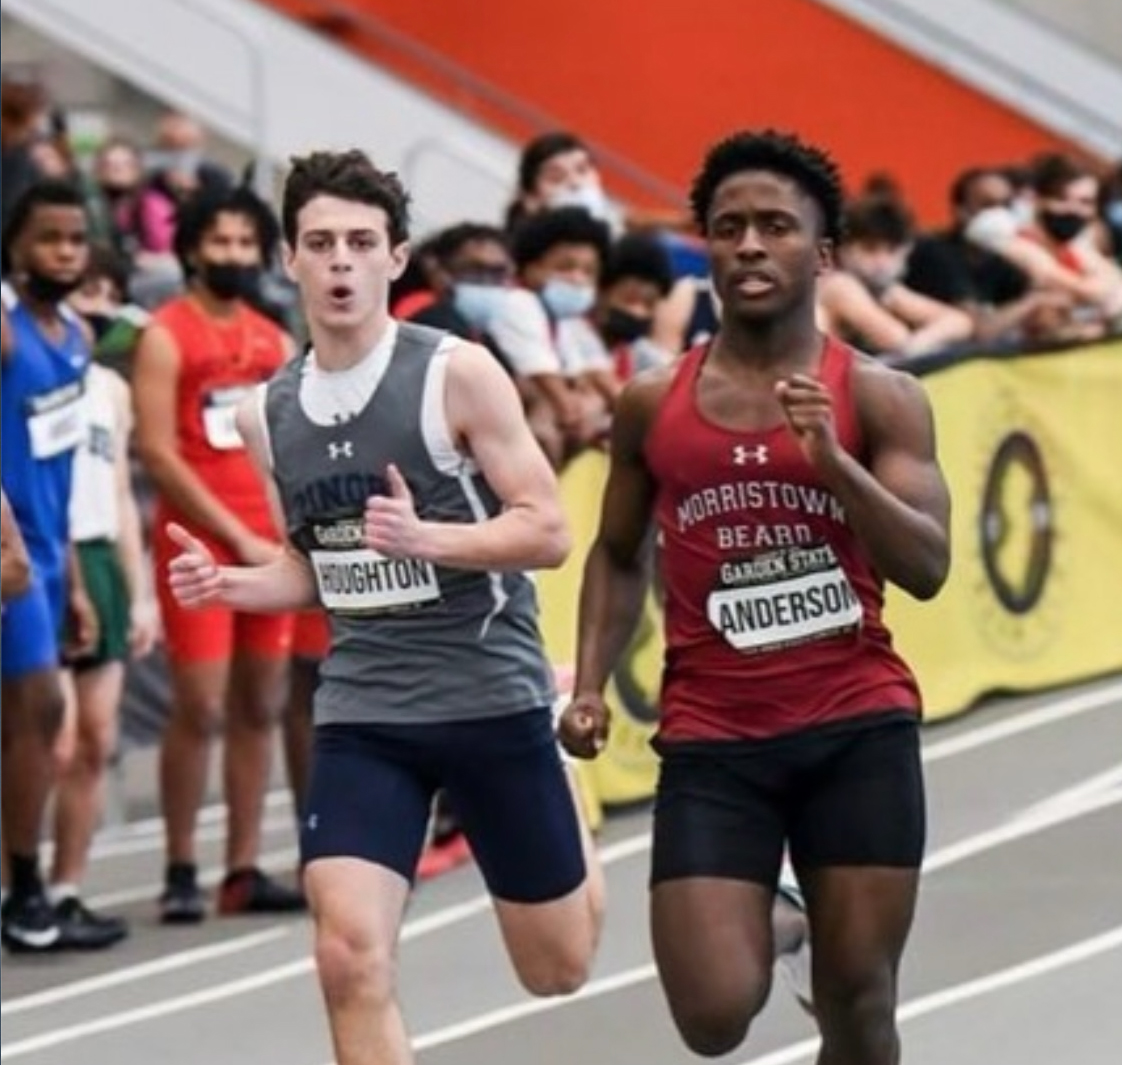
[340,296]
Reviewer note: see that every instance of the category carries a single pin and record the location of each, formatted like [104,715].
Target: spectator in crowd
[44,360]
[543,330]
[557,169]
[203,352]
[636,279]
[866,302]
[948,267]
[1056,249]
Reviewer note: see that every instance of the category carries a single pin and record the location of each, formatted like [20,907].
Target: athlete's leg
[521,814]
[718,844]
[198,695]
[857,844]
[257,692]
[80,800]
[367,810]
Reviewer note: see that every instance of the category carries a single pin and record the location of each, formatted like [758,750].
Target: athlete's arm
[899,506]
[155,389]
[6,343]
[486,419]
[15,567]
[616,570]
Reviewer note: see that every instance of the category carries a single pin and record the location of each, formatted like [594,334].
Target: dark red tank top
[773,611]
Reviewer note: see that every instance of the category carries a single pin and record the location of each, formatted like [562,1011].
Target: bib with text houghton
[354,579]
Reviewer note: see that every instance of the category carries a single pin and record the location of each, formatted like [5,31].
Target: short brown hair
[346,175]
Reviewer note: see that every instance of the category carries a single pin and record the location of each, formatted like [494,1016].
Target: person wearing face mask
[543,330]
[203,353]
[1056,250]
[556,169]
[471,272]
[866,302]
[45,356]
[636,279]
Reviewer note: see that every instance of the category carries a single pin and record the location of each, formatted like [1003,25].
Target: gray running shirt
[411,642]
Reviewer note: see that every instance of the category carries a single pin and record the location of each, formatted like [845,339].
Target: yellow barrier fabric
[1032,448]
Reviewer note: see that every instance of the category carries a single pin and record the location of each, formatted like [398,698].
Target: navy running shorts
[842,794]
[372,789]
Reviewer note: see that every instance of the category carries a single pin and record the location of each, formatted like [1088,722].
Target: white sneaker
[794,966]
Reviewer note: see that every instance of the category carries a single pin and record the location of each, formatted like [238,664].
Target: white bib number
[220,409]
[362,581]
[56,421]
[784,599]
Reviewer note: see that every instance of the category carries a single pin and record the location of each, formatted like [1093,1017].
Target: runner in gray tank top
[415,500]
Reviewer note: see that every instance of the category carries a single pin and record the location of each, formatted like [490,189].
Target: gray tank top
[411,642]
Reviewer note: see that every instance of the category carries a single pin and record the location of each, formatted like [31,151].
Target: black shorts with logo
[842,794]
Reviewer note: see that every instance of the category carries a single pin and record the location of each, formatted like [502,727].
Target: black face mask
[623,327]
[44,289]
[1062,226]
[100,324]
[229,281]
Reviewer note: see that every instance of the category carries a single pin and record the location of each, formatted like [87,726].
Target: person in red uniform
[788,476]
[204,352]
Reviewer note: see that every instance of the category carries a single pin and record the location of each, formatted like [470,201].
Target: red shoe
[440,858]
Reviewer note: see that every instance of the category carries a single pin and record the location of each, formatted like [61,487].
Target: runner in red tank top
[788,477]
[202,354]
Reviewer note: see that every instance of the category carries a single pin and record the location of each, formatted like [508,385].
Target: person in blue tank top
[44,362]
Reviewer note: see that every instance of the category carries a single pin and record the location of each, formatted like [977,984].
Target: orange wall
[659,80]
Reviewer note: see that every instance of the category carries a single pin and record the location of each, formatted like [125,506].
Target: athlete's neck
[46,313]
[340,349]
[787,344]
[211,305]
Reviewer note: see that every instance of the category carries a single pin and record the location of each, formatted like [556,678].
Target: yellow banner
[1032,448]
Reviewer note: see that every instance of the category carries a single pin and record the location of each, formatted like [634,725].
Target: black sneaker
[82,929]
[251,891]
[28,924]
[182,901]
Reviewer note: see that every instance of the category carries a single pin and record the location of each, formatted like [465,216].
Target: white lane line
[1107,781]
[1049,713]
[958,852]
[421,926]
[271,861]
[157,967]
[217,993]
[620,850]
[473,1026]
[1064,958]
[148,834]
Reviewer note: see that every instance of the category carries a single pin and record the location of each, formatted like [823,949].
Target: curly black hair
[642,256]
[348,175]
[540,233]
[197,214]
[811,168]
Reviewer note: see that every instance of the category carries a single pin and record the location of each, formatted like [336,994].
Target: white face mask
[992,228]
[590,196]
[567,299]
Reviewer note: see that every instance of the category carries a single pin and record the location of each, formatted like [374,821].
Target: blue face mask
[566,299]
[478,304]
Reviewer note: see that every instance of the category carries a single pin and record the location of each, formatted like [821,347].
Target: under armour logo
[741,455]
[343,450]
